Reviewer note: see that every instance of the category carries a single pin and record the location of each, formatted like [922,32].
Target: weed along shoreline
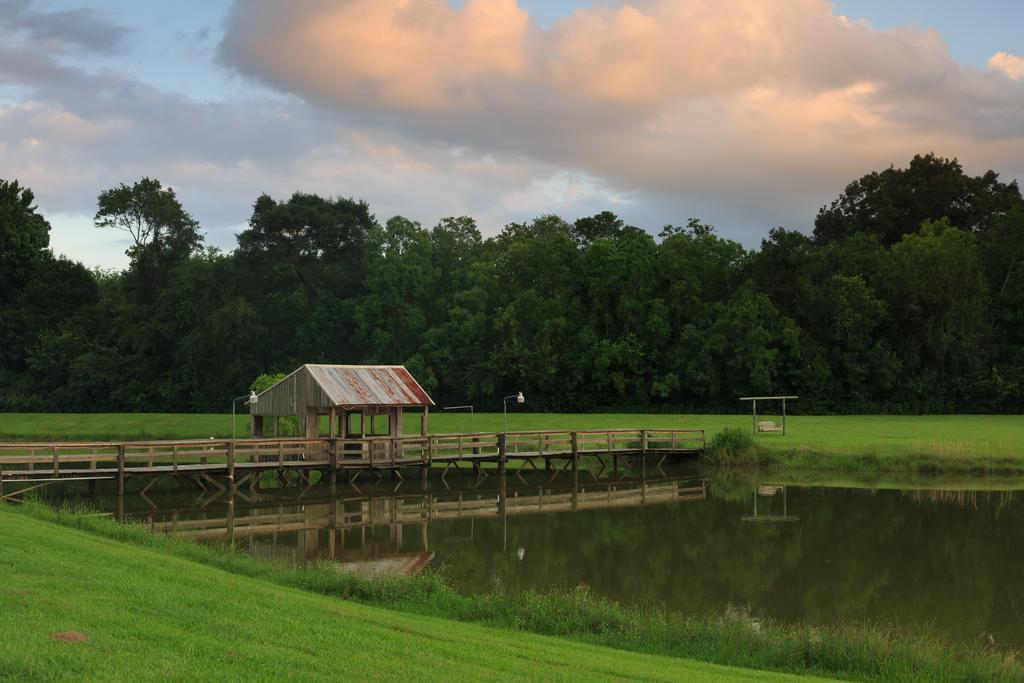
[593,637]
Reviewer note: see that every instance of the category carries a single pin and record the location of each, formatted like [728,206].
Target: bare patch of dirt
[69,637]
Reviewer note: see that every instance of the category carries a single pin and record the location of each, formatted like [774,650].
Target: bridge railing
[65,458]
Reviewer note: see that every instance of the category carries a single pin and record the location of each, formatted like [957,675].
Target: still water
[946,560]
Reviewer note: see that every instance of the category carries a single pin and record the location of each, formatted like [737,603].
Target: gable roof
[374,385]
[347,386]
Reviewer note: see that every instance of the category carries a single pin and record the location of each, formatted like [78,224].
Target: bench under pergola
[769,425]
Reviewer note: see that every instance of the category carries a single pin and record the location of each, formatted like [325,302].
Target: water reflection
[943,559]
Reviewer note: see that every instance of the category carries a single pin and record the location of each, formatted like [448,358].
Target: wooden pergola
[766,425]
[371,393]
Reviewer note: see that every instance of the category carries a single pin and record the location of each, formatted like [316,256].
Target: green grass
[953,443]
[148,615]
[164,607]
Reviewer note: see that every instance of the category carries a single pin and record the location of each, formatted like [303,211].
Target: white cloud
[1010,64]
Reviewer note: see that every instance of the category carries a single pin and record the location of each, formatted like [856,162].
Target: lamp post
[251,400]
[504,406]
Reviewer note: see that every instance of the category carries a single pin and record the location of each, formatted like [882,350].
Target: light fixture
[504,406]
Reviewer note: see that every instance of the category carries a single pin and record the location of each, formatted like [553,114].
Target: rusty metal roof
[369,385]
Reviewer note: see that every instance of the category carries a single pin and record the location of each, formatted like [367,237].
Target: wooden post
[425,421]
[643,441]
[755,417]
[277,425]
[332,459]
[231,516]
[502,456]
[332,428]
[430,458]
[120,470]
[575,470]
[231,465]
[783,417]
[395,430]
[575,437]
[56,461]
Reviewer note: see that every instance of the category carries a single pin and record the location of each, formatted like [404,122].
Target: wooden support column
[575,471]
[231,465]
[783,417]
[395,418]
[643,450]
[277,425]
[120,470]
[312,430]
[575,452]
[230,516]
[425,421]
[332,460]
[502,456]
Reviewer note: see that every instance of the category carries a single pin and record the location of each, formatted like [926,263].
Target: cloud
[1010,64]
[75,29]
[769,104]
[749,114]
[418,55]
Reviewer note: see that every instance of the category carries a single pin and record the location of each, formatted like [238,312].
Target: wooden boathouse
[358,400]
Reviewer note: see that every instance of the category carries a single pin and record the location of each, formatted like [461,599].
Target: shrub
[732,445]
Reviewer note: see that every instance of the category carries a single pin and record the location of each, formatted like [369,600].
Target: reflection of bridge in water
[386,532]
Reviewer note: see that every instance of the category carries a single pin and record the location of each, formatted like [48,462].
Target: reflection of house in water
[387,533]
[774,492]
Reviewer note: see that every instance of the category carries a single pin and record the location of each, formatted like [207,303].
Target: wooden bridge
[241,461]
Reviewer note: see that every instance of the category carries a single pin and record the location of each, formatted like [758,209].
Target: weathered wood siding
[293,396]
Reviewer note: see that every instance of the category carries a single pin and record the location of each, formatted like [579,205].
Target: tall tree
[163,233]
[895,202]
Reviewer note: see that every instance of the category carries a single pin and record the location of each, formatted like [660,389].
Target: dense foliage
[909,297]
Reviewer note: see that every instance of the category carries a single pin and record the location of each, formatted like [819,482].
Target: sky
[748,114]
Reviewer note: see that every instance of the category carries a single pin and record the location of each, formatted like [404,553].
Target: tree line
[908,297]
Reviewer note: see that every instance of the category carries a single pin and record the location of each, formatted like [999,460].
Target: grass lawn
[146,615]
[963,436]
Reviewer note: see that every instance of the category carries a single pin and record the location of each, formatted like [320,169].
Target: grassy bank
[86,607]
[239,614]
[927,443]
[997,453]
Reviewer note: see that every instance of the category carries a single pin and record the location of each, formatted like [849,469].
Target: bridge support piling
[231,465]
[502,458]
[575,439]
[120,471]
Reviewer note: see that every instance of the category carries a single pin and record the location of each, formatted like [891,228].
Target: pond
[945,559]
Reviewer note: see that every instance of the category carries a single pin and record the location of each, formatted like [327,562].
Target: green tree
[895,202]
[942,306]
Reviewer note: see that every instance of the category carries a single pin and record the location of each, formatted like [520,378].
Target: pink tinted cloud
[410,54]
[777,100]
